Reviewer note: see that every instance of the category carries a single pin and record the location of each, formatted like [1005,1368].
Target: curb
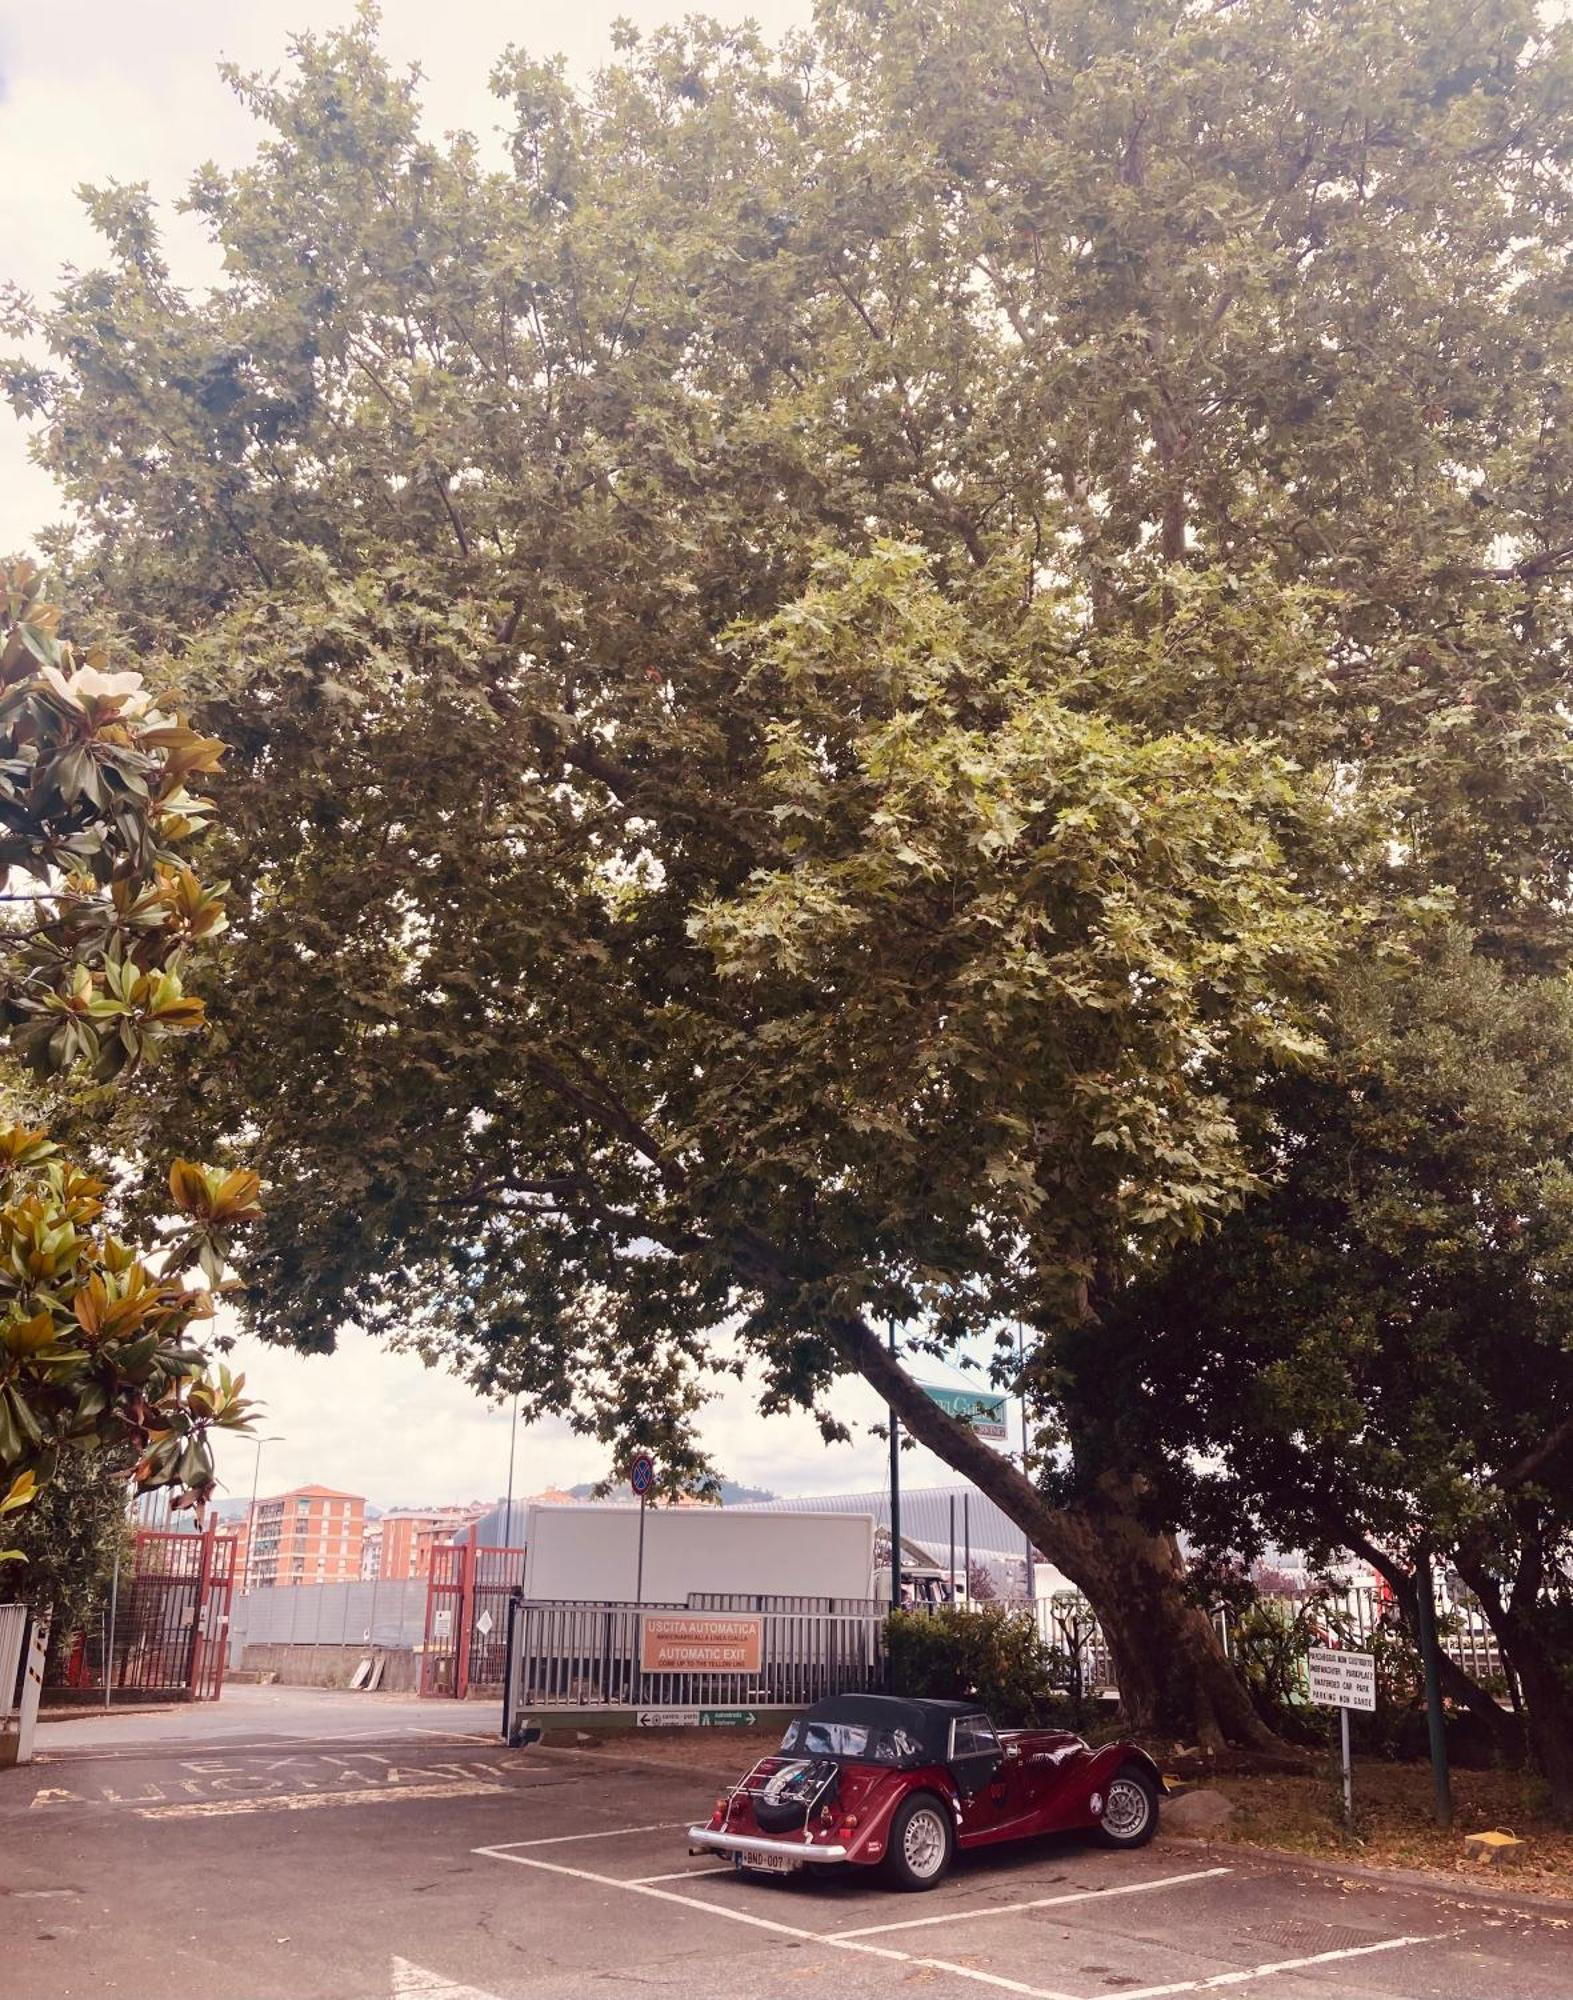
[1430,1881]
[708,1774]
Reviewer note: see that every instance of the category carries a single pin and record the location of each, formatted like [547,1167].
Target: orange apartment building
[409,1534]
[312,1534]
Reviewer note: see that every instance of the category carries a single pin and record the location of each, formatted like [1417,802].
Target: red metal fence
[466,1643]
[170,1627]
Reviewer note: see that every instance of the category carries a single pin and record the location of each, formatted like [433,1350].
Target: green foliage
[95,1353]
[93,803]
[94,1347]
[1269,1637]
[1385,1339]
[993,1655]
[68,1538]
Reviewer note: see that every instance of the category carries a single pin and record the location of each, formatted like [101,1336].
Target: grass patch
[1393,1824]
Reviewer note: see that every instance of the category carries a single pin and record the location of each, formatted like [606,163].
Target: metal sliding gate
[569,1655]
[466,1638]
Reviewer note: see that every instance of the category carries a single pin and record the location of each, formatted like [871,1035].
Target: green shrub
[993,1655]
[1269,1639]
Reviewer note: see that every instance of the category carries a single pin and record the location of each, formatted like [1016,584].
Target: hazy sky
[128,90]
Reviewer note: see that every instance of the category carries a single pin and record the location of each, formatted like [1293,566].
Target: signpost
[1343,1681]
[701,1642]
[696,1718]
[641,1477]
[980,1408]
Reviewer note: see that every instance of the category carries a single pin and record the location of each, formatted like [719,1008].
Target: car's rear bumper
[708,1839]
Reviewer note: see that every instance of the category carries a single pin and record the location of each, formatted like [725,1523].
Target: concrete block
[1495,1850]
[1201,1811]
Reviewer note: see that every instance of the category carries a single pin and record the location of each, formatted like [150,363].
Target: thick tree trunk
[1173,1676]
[1548,1697]
[1505,1730]
[1544,1674]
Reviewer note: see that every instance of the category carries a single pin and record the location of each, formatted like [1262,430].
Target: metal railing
[13,1635]
[1349,1617]
[570,1655]
[767,1600]
[576,1655]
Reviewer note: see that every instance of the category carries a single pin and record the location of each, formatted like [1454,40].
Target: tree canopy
[829,665]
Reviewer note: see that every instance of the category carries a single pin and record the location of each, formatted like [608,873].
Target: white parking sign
[1342,1680]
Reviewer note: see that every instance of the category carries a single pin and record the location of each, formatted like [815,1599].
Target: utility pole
[1021,1373]
[895,1496]
[251,1518]
[513,1439]
[1425,1621]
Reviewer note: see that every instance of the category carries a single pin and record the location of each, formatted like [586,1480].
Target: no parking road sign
[1342,1680]
[641,1474]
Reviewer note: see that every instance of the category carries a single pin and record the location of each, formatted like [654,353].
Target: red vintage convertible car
[875,1781]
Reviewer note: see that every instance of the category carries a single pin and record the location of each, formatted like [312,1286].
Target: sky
[129,90]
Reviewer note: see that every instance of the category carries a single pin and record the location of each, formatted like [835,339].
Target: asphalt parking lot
[344,1850]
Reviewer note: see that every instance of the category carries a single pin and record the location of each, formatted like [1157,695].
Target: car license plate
[766,1864]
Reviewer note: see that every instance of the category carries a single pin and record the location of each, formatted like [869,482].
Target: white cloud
[383,1425]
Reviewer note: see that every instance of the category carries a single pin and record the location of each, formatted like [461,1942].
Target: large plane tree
[825,660]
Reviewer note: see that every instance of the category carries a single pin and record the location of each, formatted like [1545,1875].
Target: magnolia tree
[96,1352]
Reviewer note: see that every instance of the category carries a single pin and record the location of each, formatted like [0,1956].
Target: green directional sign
[983,1411]
[728,1718]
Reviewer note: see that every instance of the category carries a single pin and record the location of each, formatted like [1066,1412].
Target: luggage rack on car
[788,1781]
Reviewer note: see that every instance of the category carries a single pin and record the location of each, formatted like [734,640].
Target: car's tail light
[718,1817]
[848,1826]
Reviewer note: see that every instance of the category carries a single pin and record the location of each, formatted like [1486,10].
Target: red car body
[836,1790]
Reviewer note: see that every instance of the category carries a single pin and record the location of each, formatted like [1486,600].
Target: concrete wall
[331,1666]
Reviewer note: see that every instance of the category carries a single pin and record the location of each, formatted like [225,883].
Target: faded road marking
[305,1801]
[795,1931]
[410,1981]
[679,1875]
[1282,1965]
[606,1833]
[1038,1903]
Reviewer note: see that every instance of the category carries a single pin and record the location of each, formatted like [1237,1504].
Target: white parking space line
[603,1833]
[796,1931]
[1038,1903]
[677,1875]
[1282,1965]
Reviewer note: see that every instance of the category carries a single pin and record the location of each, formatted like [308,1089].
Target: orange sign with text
[699,1642]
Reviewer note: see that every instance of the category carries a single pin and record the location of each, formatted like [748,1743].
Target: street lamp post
[513,1439]
[895,1496]
[1026,1472]
[251,1517]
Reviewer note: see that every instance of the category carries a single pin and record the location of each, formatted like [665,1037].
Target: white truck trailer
[720,1558]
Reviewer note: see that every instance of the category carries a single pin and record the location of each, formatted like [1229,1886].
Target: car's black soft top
[923,1724]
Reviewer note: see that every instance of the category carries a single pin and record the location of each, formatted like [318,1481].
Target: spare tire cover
[788,1795]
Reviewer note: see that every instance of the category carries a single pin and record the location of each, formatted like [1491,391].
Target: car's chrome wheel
[1130,1809]
[921,1843]
[925,1844]
[1127,1808]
